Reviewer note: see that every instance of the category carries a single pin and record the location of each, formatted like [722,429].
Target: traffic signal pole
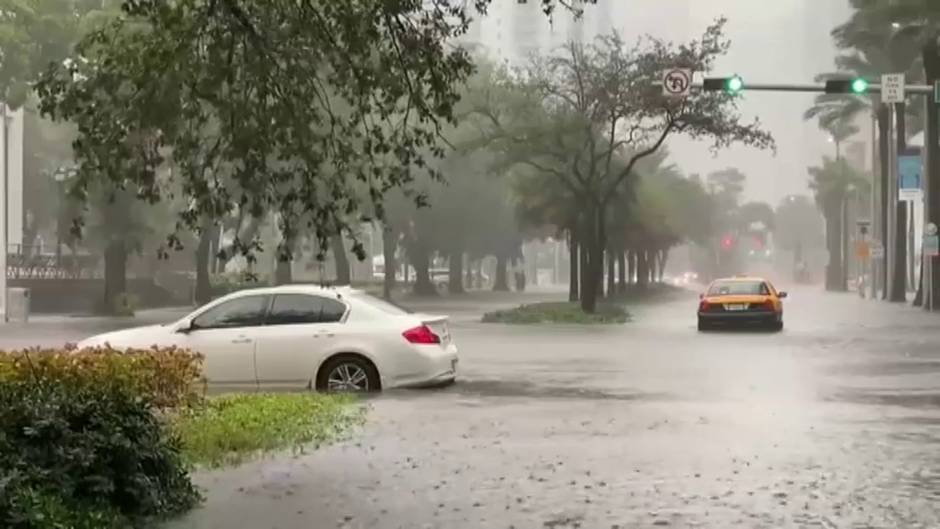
[892,271]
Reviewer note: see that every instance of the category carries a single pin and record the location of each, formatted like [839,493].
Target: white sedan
[301,336]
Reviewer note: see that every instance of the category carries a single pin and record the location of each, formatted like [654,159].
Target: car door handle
[324,334]
[241,339]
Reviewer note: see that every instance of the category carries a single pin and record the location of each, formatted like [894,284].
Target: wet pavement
[833,423]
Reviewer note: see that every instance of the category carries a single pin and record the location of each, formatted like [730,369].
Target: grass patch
[229,429]
[559,312]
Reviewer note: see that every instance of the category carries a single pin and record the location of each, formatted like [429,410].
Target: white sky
[772,41]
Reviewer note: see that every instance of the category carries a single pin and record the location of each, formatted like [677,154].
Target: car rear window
[738,288]
[381,304]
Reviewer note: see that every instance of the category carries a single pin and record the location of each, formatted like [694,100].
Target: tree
[798,228]
[296,102]
[833,183]
[587,103]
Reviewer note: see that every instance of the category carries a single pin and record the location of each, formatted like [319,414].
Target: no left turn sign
[677,82]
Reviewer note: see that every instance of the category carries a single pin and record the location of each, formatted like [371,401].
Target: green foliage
[78,454]
[166,378]
[833,182]
[312,110]
[227,430]
[559,312]
[799,226]
[37,33]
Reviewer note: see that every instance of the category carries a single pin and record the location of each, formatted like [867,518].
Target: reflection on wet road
[833,423]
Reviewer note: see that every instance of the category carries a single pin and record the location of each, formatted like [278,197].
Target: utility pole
[931,57]
[898,290]
[5,232]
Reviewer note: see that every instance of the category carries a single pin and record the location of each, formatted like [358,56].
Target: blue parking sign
[910,174]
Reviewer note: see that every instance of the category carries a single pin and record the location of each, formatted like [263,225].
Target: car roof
[739,279]
[311,289]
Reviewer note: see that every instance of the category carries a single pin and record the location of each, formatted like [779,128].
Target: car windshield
[738,288]
[381,304]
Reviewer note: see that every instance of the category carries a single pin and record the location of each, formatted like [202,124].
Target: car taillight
[703,306]
[421,335]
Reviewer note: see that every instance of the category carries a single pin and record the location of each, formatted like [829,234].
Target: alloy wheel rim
[348,378]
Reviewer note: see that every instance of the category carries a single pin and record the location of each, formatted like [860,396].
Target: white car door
[226,336]
[299,330]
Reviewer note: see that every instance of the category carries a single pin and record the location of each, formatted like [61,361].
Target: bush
[558,312]
[167,377]
[228,429]
[81,454]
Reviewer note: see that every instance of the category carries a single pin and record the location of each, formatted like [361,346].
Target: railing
[32,262]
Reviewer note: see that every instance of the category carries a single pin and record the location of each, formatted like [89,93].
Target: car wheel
[348,374]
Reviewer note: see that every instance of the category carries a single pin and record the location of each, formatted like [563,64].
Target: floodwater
[833,423]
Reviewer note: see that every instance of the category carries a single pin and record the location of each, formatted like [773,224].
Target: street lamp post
[5,232]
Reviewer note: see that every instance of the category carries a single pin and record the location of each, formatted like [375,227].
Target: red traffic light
[727,242]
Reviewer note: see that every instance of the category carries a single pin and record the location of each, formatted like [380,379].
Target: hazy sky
[772,41]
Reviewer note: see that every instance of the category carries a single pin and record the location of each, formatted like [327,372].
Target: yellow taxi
[741,300]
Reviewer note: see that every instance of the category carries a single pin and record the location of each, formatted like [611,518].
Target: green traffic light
[859,86]
[735,84]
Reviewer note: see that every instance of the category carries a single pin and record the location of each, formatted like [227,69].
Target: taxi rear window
[738,288]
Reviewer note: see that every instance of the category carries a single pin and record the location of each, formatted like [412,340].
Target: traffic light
[727,242]
[731,85]
[856,86]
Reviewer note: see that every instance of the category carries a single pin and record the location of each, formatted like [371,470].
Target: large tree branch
[670,125]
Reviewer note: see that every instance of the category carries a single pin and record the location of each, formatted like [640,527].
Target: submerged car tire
[348,373]
[776,326]
[704,325]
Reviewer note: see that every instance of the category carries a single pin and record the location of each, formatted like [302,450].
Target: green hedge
[82,455]
[82,443]
[167,377]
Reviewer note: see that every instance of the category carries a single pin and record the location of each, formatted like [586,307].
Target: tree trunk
[468,273]
[389,247]
[642,268]
[596,241]
[341,260]
[421,261]
[611,274]
[574,258]
[834,279]
[622,272]
[115,276]
[283,273]
[203,291]
[501,281]
[631,267]
[663,259]
[455,273]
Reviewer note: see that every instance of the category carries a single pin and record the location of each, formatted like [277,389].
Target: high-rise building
[512,31]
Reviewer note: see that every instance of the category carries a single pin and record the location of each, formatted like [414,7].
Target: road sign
[892,88]
[877,250]
[910,175]
[862,249]
[677,82]
[931,245]
[930,228]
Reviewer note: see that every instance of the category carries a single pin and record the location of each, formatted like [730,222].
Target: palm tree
[833,183]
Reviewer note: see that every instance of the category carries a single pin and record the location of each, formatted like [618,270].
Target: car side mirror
[781,295]
[185,327]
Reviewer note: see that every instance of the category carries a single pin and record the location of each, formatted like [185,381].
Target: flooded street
[832,423]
